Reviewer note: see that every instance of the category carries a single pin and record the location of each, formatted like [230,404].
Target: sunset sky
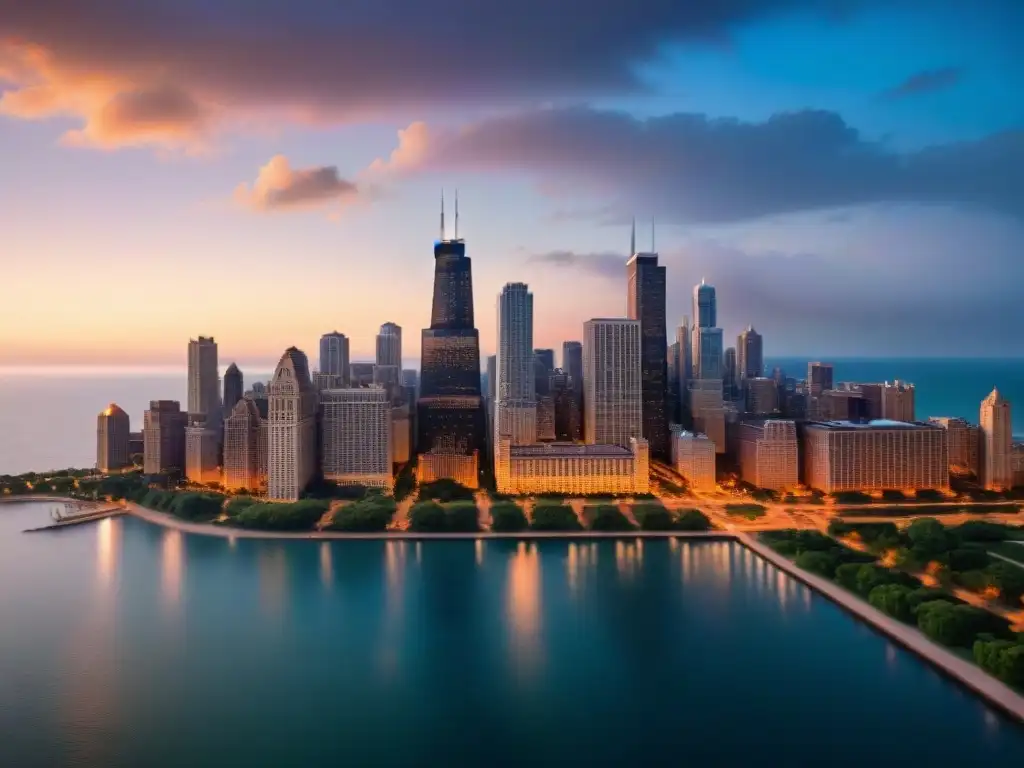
[849,174]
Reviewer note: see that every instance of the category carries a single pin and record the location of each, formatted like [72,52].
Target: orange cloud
[279,186]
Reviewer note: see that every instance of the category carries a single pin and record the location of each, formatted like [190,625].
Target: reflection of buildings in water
[673,544]
[686,560]
[419,552]
[781,583]
[806,591]
[108,550]
[172,566]
[232,541]
[572,565]
[523,603]
[272,565]
[629,557]
[394,565]
[890,655]
[326,565]
[479,550]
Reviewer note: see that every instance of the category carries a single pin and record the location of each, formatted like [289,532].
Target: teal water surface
[124,644]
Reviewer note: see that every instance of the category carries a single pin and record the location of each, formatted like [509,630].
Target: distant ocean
[48,419]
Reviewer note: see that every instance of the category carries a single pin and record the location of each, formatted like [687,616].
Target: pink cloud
[278,186]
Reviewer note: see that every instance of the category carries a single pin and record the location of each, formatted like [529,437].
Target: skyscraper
[565,406]
[545,362]
[898,401]
[996,443]
[705,306]
[201,448]
[750,354]
[645,303]
[245,447]
[389,345]
[450,413]
[113,428]
[729,373]
[356,437]
[292,428]
[234,386]
[708,362]
[819,378]
[515,389]
[203,379]
[611,376]
[572,364]
[163,434]
[334,356]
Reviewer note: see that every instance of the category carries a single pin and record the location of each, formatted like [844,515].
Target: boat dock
[66,515]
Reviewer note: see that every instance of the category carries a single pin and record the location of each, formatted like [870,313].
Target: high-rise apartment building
[645,303]
[572,364]
[750,354]
[234,388]
[113,432]
[705,306]
[874,456]
[163,433]
[964,443]
[292,449]
[685,370]
[567,426]
[401,434]
[544,364]
[898,401]
[389,345]
[450,416]
[707,410]
[693,457]
[768,454]
[515,390]
[730,380]
[872,394]
[996,443]
[201,448]
[611,381]
[819,378]
[361,373]
[762,396]
[245,447]
[356,437]
[334,356]
[204,380]
[708,356]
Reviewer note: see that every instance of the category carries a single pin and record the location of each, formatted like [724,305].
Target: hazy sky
[848,173]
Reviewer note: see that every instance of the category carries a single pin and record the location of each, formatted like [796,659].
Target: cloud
[278,186]
[692,168]
[318,61]
[925,81]
[913,282]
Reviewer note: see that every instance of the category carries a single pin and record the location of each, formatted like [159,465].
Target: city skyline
[223,171]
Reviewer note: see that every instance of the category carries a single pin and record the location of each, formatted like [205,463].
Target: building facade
[611,379]
[964,444]
[163,434]
[389,346]
[645,303]
[572,468]
[515,387]
[707,410]
[355,437]
[234,388]
[762,396]
[292,448]
[334,356]
[769,454]
[113,434]
[567,427]
[898,401]
[202,446]
[245,447]
[445,464]
[820,376]
[874,456]
[693,457]
[750,354]
[996,443]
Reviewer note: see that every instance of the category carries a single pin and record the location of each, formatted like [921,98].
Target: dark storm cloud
[925,82]
[691,168]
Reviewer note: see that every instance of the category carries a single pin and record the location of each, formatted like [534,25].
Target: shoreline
[980,683]
[972,677]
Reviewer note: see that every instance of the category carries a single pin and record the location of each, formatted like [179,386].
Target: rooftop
[874,424]
[569,450]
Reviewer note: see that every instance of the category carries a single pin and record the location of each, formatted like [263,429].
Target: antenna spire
[456,213]
[652,235]
[632,238]
[442,213]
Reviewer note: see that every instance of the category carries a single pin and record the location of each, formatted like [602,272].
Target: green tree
[237,504]
[653,517]
[692,520]
[870,576]
[1008,579]
[299,516]
[1001,658]
[894,600]
[371,514]
[427,517]
[554,517]
[929,539]
[507,517]
[445,490]
[462,517]
[846,575]
[957,625]
[821,563]
[607,517]
[967,558]
[981,531]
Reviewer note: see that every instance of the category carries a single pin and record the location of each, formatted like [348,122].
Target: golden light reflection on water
[572,565]
[478,547]
[629,556]
[523,604]
[272,565]
[326,565]
[172,566]
[108,550]
[395,553]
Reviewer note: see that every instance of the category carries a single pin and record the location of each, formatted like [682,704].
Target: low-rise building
[572,468]
[693,457]
[441,464]
[874,456]
[762,396]
[769,454]
[1017,464]
[963,441]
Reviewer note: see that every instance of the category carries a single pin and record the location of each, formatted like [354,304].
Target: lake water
[48,417]
[124,644]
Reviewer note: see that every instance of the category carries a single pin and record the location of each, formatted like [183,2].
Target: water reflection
[629,556]
[523,604]
[108,550]
[326,566]
[479,549]
[394,570]
[273,576]
[172,565]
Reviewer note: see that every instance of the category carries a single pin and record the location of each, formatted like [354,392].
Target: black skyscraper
[450,412]
[646,303]
[233,387]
